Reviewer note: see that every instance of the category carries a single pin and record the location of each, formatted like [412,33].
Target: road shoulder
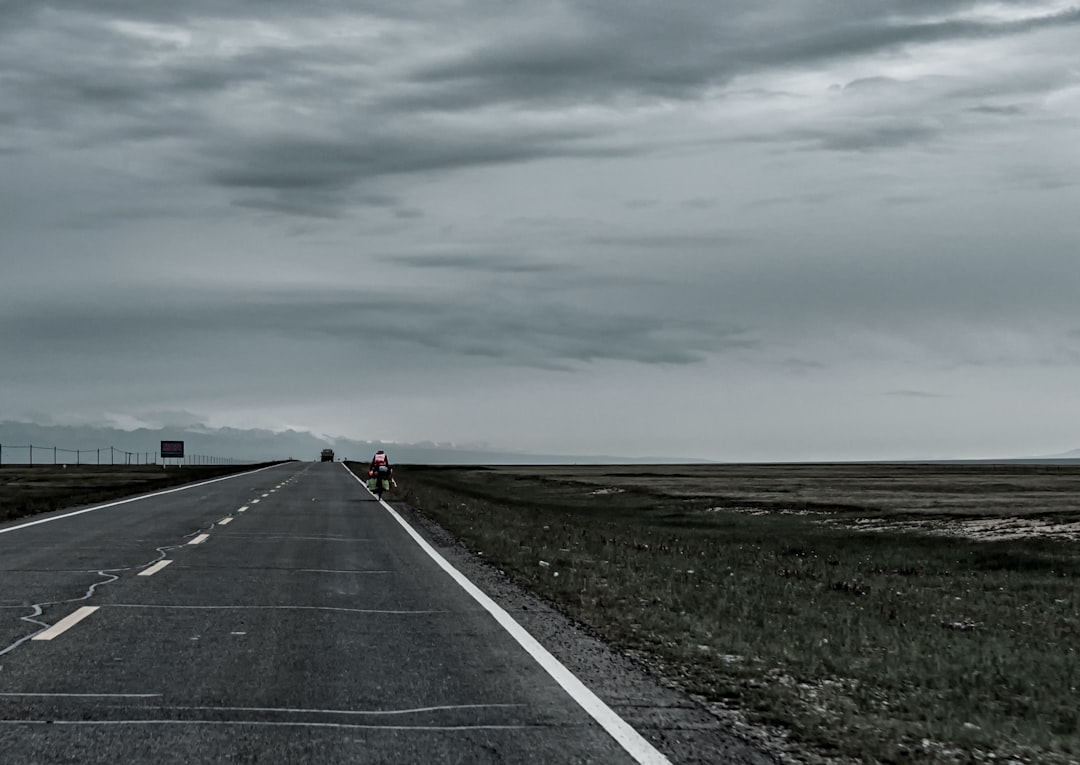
[678,724]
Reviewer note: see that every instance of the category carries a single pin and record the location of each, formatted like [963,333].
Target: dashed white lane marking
[254,501]
[224,522]
[624,734]
[66,623]
[243,509]
[199,539]
[155,568]
[266,495]
[130,499]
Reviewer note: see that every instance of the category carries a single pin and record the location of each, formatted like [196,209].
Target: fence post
[31,454]
[78,457]
[54,455]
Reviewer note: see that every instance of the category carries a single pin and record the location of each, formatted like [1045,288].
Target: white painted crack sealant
[37,609]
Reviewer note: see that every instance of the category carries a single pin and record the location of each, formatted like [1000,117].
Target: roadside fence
[107,455]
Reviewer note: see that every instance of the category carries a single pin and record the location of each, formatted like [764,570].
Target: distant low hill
[262,445]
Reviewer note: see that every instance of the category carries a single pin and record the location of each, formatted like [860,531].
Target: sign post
[172,450]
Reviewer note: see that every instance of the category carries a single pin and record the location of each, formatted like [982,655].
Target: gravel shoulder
[686,729]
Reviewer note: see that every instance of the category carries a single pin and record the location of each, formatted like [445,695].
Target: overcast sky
[728,229]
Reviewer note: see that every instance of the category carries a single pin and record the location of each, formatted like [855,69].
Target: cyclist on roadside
[380,475]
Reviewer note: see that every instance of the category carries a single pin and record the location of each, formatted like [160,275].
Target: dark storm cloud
[478,263]
[883,34]
[181,12]
[998,111]
[607,51]
[543,332]
[670,241]
[303,163]
[877,137]
[334,117]
[313,204]
[319,176]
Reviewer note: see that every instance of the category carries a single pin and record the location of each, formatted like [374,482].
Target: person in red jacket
[380,475]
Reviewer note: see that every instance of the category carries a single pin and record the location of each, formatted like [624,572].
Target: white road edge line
[199,539]
[131,499]
[66,623]
[155,568]
[83,695]
[620,730]
[271,724]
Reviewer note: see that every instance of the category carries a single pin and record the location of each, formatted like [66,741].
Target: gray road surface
[308,627]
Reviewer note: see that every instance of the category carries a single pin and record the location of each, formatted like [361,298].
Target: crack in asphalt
[360,712]
[37,609]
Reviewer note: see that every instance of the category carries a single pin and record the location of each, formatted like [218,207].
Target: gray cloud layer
[724,197]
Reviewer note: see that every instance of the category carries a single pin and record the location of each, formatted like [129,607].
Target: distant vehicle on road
[327,455]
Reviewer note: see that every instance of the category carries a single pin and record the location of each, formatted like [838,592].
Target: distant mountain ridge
[256,445]
[1074,454]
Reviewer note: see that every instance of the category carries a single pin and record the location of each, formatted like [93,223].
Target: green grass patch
[882,647]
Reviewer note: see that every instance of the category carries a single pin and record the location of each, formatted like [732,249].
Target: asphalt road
[297,621]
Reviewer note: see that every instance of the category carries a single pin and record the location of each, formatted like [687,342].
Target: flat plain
[835,613]
[853,613]
[29,489]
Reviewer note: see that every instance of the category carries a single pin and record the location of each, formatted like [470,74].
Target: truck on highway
[327,455]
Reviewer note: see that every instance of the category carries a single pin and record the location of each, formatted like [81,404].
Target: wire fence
[107,455]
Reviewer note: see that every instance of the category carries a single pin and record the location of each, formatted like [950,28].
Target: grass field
[29,489]
[758,588]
